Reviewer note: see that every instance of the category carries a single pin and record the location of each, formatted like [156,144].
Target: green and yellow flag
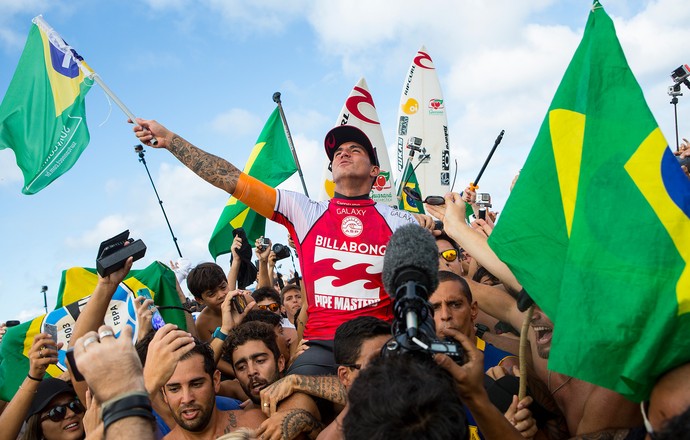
[597,228]
[76,287]
[42,116]
[272,163]
[410,181]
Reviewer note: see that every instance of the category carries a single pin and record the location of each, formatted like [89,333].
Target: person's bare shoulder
[206,324]
[249,418]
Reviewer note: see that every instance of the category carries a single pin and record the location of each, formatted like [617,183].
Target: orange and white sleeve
[255,194]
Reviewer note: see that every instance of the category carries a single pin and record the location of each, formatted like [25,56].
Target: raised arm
[453,216]
[216,171]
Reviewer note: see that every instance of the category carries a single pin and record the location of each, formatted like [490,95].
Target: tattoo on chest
[232,422]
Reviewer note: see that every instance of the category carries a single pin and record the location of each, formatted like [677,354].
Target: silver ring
[265,404]
[90,341]
[105,333]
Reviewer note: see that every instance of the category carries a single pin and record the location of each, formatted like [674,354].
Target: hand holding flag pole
[475,185]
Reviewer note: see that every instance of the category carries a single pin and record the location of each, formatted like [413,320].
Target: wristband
[219,334]
[134,404]
[37,379]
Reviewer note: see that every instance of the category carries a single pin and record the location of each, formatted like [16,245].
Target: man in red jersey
[340,242]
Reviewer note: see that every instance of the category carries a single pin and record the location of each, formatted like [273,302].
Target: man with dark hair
[258,363]
[356,343]
[340,243]
[455,309]
[404,397]
[267,299]
[450,256]
[190,392]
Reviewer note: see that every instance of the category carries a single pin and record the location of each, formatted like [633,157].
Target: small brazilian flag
[597,228]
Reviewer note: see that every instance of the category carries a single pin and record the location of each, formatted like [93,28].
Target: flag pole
[276,99]
[117,101]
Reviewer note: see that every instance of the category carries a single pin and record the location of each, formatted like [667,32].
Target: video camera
[410,275]
[114,252]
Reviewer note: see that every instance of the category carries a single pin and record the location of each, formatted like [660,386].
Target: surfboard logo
[421,57]
[410,107]
[382,181]
[436,106]
[353,102]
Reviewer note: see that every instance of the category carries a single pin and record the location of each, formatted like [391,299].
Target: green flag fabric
[410,181]
[76,286]
[597,228]
[272,163]
[42,116]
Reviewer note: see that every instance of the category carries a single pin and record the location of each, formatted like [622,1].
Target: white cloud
[236,122]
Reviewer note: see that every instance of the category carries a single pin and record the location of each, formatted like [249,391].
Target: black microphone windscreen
[411,247]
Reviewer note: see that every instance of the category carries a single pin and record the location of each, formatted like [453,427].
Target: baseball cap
[48,389]
[348,133]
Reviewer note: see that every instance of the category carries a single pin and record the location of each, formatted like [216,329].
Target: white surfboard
[422,115]
[359,111]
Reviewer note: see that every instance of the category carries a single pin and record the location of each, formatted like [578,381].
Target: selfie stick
[140,151]
[276,99]
[475,185]
[44,289]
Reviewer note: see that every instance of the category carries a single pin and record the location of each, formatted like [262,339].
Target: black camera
[281,251]
[114,252]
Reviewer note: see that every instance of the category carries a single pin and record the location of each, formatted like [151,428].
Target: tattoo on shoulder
[232,422]
[297,421]
[211,168]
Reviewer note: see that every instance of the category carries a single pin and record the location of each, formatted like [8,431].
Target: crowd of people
[316,356]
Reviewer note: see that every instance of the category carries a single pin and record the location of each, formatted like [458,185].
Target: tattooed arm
[325,387]
[216,171]
[297,415]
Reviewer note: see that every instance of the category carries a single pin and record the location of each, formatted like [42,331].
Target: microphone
[410,274]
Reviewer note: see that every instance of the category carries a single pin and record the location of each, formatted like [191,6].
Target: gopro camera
[264,244]
[680,73]
[415,144]
[114,252]
[483,200]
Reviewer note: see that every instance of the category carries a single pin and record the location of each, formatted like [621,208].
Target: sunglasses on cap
[58,413]
[273,307]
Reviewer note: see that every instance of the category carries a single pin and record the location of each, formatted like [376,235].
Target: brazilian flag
[43,114]
[272,163]
[597,228]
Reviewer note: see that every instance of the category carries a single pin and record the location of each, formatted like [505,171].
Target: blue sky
[207,69]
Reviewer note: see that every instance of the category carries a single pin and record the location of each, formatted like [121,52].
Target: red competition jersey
[340,244]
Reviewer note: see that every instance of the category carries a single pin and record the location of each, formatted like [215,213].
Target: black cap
[48,389]
[348,133]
